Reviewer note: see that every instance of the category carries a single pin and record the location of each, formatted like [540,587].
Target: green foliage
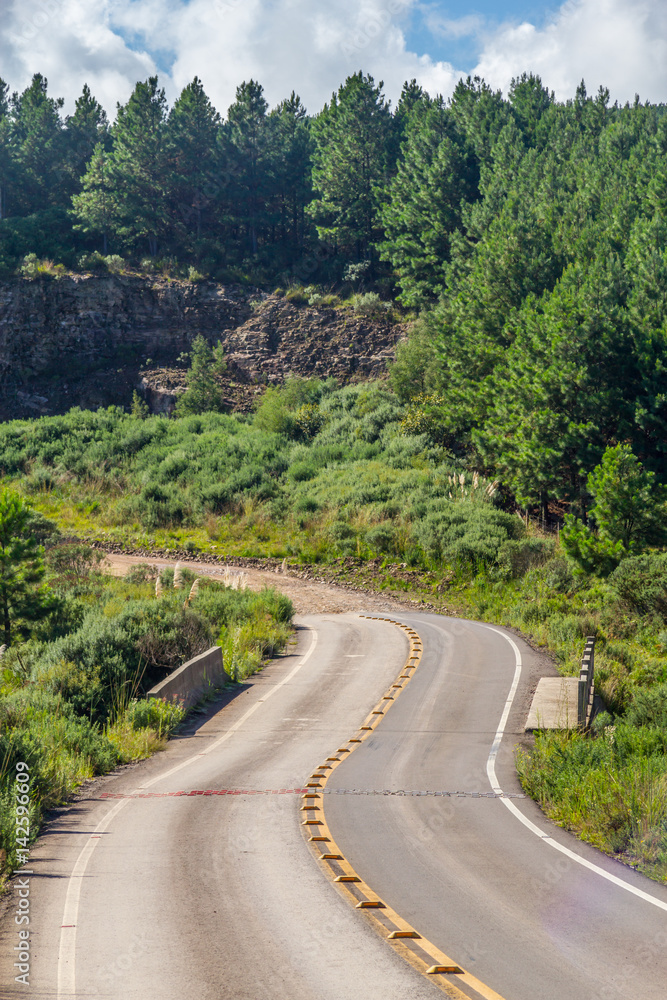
[353,135]
[609,789]
[70,705]
[435,176]
[139,407]
[641,584]
[163,717]
[33,268]
[629,514]
[467,535]
[370,304]
[23,598]
[203,392]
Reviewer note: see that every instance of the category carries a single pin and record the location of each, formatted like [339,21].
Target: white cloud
[619,44]
[305,45]
[71,43]
[312,45]
[459,27]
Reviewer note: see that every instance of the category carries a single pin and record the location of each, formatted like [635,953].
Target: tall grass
[610,790]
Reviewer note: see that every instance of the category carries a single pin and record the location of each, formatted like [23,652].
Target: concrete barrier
[188,683]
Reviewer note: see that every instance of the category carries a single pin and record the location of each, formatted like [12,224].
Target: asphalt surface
[219,896]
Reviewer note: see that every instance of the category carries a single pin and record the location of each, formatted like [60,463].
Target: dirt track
[308,596]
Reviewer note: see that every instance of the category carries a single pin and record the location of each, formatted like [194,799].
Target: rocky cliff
[89,341]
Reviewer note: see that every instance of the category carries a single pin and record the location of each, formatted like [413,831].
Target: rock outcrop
[89,341]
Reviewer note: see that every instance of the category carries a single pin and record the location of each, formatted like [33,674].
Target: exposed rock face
[281,339]
[84,340]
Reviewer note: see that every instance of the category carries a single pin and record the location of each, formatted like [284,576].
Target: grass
[611,791]
[361,485]
[71,704]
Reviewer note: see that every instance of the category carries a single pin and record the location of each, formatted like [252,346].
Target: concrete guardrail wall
[188,683]
[586,682]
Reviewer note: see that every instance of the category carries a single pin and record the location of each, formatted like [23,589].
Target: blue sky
[312,45]
[463,50]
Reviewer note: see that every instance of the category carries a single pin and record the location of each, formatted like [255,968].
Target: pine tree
[529,100]
[87,128]
[291,150]
[203,392]
[139,166]
[424,206]
[37,141]
[351,161]
[249,136]
[96,207]
[628,514]
[412,97]
[6,156]
[193,148]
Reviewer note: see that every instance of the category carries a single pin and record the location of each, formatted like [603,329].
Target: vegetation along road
[141,892]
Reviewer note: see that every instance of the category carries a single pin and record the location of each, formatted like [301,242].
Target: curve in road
[197,883]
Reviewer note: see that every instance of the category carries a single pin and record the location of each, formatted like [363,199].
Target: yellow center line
[351,884]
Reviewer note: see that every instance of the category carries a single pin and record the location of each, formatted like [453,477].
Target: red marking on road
[206,791]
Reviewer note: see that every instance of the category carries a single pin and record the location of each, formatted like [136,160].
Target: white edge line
[67,949]
[544,837]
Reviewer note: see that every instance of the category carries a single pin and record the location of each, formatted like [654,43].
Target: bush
[641,584]
[94,261]
[161,716]
[468,535]
[301,472]
[382,538]
[515,558]
[32,268]
[114,263]
[370,304]
[106,657]
[298,296]
[649,708]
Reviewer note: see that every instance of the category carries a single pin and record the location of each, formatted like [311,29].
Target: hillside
[84,340]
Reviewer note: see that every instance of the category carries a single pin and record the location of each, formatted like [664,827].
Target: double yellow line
[421,953]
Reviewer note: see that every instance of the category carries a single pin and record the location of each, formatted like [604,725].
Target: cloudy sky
[312,45]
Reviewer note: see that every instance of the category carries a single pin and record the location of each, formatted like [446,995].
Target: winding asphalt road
[138,892]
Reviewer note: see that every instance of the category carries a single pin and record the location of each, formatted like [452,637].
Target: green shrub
[114,263]
[32,268]
[370,304]
[107,657]
[464,534]
[153,713]
[94,261]
[649,708]
[641,584]
[306,505]
[298,296]
[516,557]
[382,538]
[301,472]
